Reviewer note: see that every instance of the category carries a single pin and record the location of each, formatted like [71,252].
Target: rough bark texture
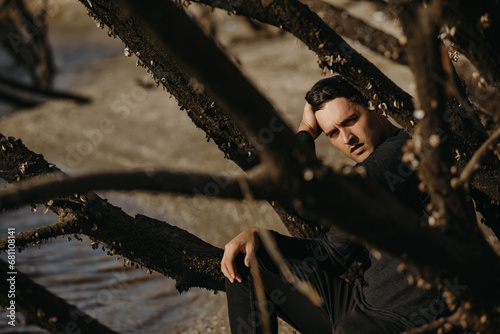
[452,208]
[432,136]
[476,32]
[333,52]
[346,25]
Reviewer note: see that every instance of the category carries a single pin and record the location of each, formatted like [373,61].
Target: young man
[383,301]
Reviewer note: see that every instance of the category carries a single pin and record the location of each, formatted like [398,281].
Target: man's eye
[352,121]
[333,133]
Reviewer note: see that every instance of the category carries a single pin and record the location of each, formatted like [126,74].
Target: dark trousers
[339,313]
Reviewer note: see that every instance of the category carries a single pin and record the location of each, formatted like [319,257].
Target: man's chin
[361,156]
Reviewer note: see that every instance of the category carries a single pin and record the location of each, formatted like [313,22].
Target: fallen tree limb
[194,263]
[184,257]
[199,106]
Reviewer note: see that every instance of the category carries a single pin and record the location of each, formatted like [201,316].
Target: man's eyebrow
[346,121]
[330,132]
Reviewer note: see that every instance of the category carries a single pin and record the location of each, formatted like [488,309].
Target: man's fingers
[250,251]
[227,263]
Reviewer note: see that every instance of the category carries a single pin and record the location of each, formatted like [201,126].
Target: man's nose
[347,136]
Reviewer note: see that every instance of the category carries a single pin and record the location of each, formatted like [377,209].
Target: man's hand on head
[246,242]
[309,122]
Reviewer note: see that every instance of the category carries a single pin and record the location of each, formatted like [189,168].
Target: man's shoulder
[388,154]
[385,164]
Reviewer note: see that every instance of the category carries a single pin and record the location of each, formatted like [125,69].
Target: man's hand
[309,123]
[246,242]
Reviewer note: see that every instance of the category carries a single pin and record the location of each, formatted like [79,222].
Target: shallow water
[126,299]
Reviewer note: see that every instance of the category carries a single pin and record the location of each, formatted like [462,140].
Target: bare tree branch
[43,233]
[475,29]
[345,24]
[240,97]
[19,101]
[324,181]
[25,37]
[40,191]
[432,139]
[474,164]
[186,258]
[42,91]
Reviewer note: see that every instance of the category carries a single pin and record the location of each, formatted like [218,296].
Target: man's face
[352,128]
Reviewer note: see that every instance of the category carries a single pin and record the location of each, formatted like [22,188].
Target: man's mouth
[356,149]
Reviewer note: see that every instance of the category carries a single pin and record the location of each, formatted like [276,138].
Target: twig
[44,233]
[40,191]
[18,101]
[260,295]
[475,162]
[44,91]
[270,244]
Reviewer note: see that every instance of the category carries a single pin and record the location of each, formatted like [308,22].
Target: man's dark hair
[331,88]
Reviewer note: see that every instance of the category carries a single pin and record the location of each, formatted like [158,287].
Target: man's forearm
[306,138]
